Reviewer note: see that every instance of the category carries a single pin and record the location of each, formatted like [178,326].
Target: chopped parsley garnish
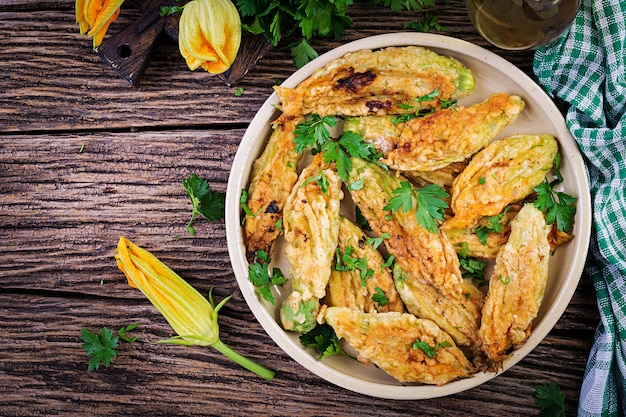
[205,202]
[430,203]
[377,241]
[123,330]
[243,202]
[324,339]
[321,180]
[379,297]
[347,262]
[494,225]
[416,111]
[557,206]
[314,133]
[259,275]
[428,349]
[361,220]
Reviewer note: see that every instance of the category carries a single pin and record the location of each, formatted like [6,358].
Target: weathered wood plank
[44,373]
[84,93]
[65,213]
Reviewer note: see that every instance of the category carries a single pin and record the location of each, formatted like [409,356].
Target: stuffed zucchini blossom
[209,34]
[192,316]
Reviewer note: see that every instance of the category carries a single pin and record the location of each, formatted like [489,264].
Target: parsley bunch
[303,20]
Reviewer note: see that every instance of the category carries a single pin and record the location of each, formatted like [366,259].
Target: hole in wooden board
[124,51]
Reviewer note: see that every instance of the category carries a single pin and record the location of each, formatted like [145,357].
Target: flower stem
[243,361]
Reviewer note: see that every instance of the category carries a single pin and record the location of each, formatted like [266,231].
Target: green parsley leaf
[402,198]
[473,268]
[243,202]
[238,91]
[302,52]
[428,22]
[321,180]
[494,225]
[557,206]
[388,263]
[361,220]
[324,339]
[99,347]
[259,275]
[123,330]
[551,400]
[169,10]
[313,132]
[430,203]
[204,202]
[379,297]
[377,241]
[431,206]
[429,350]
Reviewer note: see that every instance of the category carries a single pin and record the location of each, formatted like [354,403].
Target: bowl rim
[238,180]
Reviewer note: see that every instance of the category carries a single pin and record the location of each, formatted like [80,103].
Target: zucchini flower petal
[95,16]
[209,34]
[192,316]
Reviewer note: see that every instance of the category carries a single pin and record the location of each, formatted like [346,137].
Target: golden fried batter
[429,257]
[453,134]
[457,314]
[443,177]
[507,170]
[273,175]
[353,287]
[370,82]
[516,286]
[311,227]
[387,339]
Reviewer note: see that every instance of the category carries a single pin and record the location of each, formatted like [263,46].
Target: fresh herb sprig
[551,400]
[429,350]
[558,207]
[430,203]
[204,202]
[323,339]
[314,133]
[259,274]
[101,347]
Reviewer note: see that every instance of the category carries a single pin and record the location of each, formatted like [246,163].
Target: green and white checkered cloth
[585,72]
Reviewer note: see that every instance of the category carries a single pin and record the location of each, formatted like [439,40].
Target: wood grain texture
[85,157]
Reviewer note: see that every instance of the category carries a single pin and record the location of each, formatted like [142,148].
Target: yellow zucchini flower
[192,316]
[95,16]
[209,34]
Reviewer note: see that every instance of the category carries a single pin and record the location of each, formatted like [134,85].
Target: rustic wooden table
[85,157]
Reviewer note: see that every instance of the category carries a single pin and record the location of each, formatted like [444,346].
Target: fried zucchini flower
[209,34]
[191,315]
[95,16]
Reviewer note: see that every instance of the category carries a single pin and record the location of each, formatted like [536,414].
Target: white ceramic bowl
[492,74]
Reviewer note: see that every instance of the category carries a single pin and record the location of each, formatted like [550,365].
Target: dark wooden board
[85,157]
